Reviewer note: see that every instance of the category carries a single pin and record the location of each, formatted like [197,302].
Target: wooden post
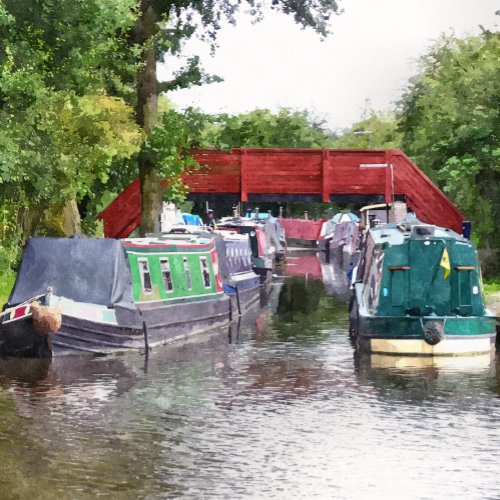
[325,164]
[243,174]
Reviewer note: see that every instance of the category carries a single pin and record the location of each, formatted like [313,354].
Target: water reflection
[412,377]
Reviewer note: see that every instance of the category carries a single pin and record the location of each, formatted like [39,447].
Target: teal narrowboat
[418,291]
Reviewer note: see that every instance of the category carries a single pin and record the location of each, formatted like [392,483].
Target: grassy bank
[7,279]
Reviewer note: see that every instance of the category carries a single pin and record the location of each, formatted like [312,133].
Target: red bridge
[299,175]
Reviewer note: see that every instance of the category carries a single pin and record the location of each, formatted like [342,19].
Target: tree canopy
[261,128]
[450,119]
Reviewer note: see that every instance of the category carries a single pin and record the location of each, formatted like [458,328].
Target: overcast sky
[370,55]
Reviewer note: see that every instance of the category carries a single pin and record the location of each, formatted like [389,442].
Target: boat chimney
[397,212]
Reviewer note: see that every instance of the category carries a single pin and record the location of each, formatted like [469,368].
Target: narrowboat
[265,241]
[339,237]
[240,282]
[234,250]
[115,295]
[417,291]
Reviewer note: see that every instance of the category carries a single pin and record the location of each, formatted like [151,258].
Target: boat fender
[46,319]
[433,332]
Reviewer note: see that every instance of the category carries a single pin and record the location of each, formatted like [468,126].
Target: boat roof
[396,234]
[168,239]
[375,207]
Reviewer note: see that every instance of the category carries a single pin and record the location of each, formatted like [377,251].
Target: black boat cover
[91,270]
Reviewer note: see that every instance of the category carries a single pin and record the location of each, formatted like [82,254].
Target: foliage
[64,75]
[7,279]
[377,131]
[70,44]
[450,118]
[263,129]
[168,148]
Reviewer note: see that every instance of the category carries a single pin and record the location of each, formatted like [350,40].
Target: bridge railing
[299,175]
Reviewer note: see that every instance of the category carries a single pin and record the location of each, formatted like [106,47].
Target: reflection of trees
[299,296]
[304,309]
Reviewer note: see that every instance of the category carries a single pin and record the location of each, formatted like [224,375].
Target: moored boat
[241,283]
[118,294]
[418,291]
[265,241]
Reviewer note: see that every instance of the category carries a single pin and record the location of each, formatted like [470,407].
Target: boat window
[187,273]
[145,276]
[166,275]
[205,272]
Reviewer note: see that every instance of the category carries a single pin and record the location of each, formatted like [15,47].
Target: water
[280,407]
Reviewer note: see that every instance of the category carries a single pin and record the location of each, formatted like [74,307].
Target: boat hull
[245,294]
[20,339]
[407,335]
[139,329]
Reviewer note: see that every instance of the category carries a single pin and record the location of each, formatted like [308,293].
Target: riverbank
[7,280]
[493,301]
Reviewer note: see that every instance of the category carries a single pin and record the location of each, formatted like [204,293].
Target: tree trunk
[147,100]
[50,220]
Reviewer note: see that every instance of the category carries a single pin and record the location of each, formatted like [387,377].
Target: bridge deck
[304,175]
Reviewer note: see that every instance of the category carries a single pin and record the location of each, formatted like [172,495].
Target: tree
[262,128]
[450,118]
[161,27]
[377,131]
[64,76]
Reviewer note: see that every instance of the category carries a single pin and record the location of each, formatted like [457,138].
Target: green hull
[408,336]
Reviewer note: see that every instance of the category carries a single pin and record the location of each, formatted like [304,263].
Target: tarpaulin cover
[91,270]
[192,220]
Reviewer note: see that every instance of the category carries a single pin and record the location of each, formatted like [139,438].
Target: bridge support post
[325,163]
[243,174]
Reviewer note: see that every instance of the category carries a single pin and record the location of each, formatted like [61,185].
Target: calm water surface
[277,407]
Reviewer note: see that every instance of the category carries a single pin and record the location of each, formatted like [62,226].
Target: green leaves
[450,118]
[263,129]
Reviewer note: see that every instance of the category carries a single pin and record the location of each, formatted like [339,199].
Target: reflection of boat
[122,294]
[418,291]
[303,264]
[410,378]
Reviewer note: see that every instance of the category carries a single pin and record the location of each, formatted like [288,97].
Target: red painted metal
[302,229]
[324,173]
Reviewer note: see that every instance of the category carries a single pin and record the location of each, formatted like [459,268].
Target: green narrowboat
[115,294]
[418,291]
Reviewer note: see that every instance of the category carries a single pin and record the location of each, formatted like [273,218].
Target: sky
[370,55]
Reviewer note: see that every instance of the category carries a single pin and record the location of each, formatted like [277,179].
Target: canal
[279,406]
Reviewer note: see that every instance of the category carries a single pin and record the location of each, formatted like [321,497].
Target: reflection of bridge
[299,175]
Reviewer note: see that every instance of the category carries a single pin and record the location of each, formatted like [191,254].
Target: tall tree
[376,131]
[450,118]
[63,119]
[160,30]
[262,128]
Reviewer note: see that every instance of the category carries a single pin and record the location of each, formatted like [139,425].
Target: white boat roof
[396,234]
